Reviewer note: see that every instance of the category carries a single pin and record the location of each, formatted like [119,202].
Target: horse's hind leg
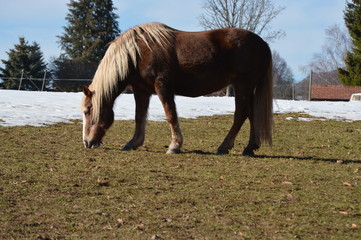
[166,96]
[141,109]
[254,140]
[242,101]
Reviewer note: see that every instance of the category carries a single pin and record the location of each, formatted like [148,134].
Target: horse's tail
[263,107]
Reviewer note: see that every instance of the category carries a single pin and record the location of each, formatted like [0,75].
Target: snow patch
[19,108]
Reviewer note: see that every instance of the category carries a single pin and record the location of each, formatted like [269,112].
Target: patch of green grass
[307,186]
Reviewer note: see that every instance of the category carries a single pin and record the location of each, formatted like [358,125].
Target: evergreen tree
[91,26]
[26,60]
[351,76]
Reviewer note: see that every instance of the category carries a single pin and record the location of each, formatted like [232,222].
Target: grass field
[308,186]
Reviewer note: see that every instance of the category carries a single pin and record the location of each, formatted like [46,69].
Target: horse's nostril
[91,144]
[94,144]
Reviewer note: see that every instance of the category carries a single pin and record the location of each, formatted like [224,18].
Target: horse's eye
[87,111]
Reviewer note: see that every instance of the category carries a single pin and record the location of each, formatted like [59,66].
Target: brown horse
[154,58]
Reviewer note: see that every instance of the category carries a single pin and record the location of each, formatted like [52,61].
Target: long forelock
[115,67]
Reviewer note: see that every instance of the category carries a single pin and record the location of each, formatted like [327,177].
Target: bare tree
[282,77]
[253,15]
[282,73]
[332,55]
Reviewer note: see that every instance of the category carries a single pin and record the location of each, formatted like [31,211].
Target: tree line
[92,24]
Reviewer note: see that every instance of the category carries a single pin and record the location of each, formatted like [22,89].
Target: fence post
[21,78]
[42,87]
[310,87]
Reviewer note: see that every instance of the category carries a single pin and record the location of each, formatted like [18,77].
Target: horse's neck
[122,84]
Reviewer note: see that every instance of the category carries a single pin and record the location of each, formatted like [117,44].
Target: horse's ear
[86,91]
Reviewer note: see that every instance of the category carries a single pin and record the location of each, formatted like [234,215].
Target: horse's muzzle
[91,144]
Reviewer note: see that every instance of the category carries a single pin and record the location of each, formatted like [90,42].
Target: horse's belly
[195,87]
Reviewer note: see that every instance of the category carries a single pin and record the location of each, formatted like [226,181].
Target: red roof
[333,92]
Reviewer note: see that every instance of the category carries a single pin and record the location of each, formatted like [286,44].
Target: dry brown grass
[306,187]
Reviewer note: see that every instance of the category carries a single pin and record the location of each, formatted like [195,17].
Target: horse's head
[96,119]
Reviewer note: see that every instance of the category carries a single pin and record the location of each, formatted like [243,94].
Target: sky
[303,21]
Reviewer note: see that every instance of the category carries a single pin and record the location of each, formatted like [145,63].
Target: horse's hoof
[128,147]
[173,151]
[248,153]
[222,152]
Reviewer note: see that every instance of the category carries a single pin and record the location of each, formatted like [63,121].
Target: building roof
[333,92]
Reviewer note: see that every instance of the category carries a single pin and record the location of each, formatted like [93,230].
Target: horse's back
[210,60]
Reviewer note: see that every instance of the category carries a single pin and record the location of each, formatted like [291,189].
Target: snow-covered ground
[18,108]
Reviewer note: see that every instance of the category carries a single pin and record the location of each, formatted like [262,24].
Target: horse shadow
[262,156]
[310,158]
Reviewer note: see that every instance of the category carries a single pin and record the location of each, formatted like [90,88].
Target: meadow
[307,186]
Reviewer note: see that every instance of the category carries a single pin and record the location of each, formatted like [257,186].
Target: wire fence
[44,84]
[291,92]
[287,92]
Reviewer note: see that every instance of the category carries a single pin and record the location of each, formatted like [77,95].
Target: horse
[154,58]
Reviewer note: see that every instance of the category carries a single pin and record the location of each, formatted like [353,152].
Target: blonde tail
[263,108]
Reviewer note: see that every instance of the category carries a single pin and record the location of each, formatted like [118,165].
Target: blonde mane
[115,67]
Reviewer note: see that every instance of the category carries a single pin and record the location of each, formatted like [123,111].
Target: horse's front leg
[141,109]
[166,96]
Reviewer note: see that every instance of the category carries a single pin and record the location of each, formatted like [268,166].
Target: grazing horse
[154,58]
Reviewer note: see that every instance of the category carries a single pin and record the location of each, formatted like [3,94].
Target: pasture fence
[48,83]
